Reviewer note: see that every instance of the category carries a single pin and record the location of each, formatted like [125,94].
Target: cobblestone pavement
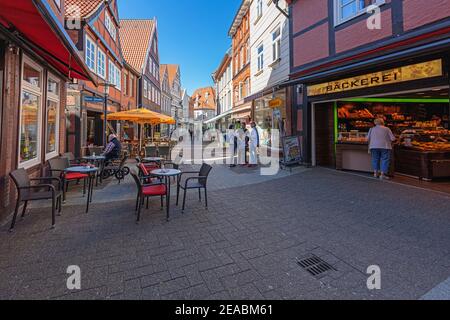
[246,246]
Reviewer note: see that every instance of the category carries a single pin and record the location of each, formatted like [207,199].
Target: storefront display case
[423,138]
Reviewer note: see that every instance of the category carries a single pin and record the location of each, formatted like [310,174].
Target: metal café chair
[197,182]
[57,169]
[72,159]
[26,192]
[146,191]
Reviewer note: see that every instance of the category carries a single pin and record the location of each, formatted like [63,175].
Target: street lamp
[106,85]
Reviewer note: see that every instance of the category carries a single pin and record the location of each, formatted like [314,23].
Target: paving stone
[245,246]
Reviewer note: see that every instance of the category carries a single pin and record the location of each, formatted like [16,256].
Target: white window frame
[89,39]
[259,9]
[118,78]
[360,11]
[102,54]
[276,44]
[39,92]
[110,26]
[260,58]
[57,99]
[111,73]
[145,89]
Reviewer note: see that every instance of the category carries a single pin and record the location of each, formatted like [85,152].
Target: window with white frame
[145,88]
[348,9]
[276,44]
[112,73]
[30,114]
[101,64]
[110,26]
[52,117]
[260,57]
[118,79]
[91,52]
[259,9]
[115,75]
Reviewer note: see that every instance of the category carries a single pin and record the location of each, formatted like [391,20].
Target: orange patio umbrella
[141,116]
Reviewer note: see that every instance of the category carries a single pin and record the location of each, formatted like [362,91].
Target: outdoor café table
[167,174]
[91,172]
[97,161]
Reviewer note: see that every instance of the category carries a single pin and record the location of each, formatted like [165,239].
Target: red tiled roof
[172,70]
[87,7]
[135,37]
[204,103]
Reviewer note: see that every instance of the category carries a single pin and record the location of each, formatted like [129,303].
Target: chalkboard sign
[292,150]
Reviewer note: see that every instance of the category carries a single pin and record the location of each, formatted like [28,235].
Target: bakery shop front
[412,97]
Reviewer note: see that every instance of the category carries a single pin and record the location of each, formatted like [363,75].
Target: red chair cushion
[75,176]
[158,190]
[151,167]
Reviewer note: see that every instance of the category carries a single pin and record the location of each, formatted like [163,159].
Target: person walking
[254,145]
[241,138]
[232,143]
[380,147]
[246,141]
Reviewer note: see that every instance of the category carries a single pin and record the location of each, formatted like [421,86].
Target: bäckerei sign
[418,71]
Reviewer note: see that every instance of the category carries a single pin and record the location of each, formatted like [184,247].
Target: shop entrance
[419,119]
[324,134]
[94,125]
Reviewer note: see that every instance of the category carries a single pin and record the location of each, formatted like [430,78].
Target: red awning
[37,26]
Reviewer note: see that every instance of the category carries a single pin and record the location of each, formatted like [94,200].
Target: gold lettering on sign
[413,72]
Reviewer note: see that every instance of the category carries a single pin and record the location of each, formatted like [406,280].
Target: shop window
[30,115]
[52,118]
[32,76]
[349,9]
[91,51]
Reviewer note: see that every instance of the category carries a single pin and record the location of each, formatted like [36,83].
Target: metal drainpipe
[279,8]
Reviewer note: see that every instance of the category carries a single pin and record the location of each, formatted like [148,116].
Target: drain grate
[315,266]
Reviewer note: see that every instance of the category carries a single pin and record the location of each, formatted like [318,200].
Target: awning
[33,23]
[220,116]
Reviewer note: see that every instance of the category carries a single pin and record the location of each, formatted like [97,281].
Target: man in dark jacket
[113,149]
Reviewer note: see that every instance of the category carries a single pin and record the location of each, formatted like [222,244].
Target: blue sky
[193,34]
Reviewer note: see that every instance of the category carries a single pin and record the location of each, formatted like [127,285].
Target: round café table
[98,161]
[167,174]
[91,172]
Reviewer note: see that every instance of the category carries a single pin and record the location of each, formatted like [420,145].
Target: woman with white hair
[380,146]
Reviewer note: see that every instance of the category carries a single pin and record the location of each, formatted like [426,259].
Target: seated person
[113,149]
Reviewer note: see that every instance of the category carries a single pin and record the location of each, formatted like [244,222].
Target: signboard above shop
[276,103]
[425,70]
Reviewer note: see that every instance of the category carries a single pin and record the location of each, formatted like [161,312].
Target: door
[324,134]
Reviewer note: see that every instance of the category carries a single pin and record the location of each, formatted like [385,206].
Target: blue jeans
[381,160]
